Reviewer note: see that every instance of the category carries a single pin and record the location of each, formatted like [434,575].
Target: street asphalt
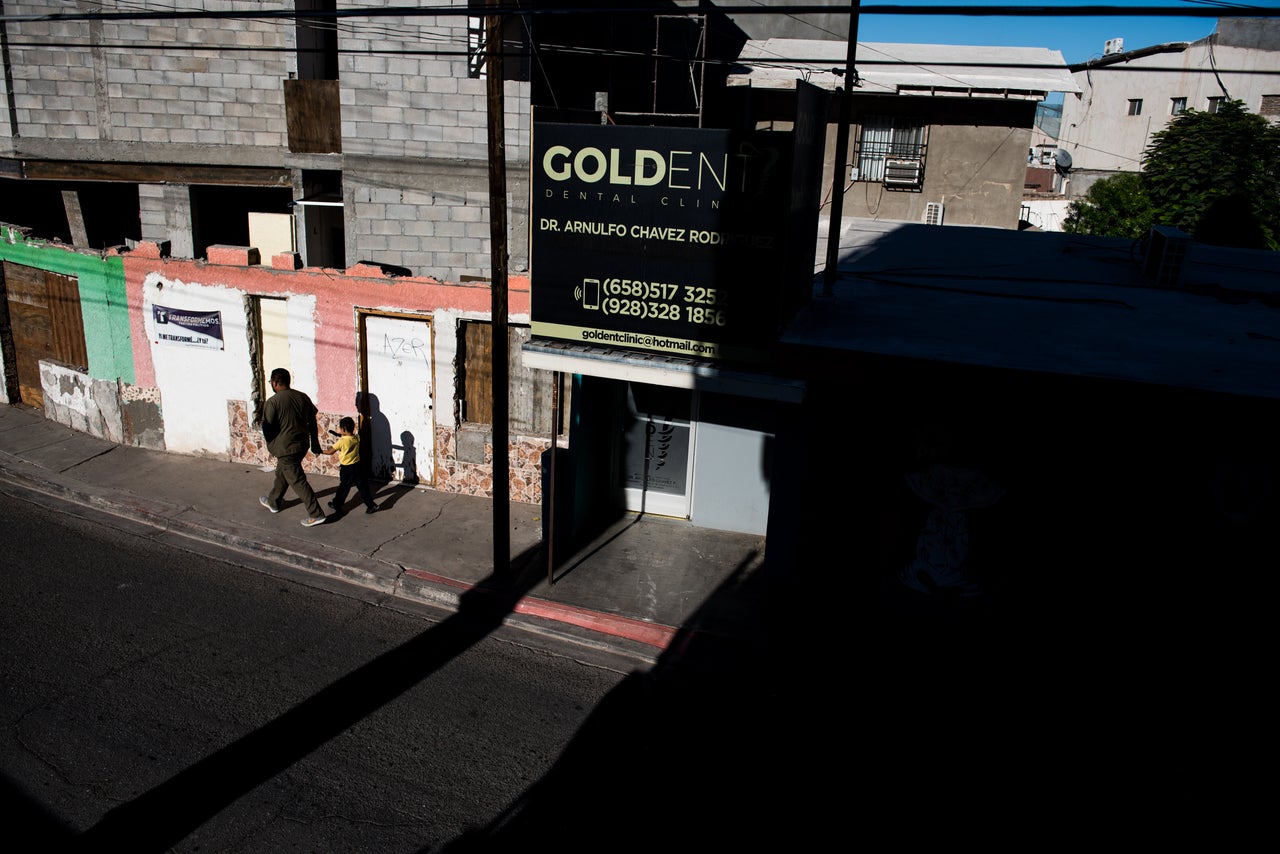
[640,587]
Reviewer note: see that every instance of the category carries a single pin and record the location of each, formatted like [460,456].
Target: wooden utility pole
[839,171]
[498,293]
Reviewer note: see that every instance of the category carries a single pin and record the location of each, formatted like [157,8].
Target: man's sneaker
[312,521]
[262,499]
[372,508]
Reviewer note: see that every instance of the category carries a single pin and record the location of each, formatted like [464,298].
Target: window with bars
[531,392]
[1177,106]
[886,138]
[1135,106]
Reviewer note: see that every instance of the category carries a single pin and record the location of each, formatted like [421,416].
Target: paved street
[157,699]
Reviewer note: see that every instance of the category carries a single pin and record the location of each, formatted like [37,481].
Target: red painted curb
[652,634]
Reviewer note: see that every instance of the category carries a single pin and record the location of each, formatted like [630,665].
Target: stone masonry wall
[452,474]
[476,478]
[248,446]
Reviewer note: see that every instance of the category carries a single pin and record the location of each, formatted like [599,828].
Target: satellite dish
[1062,161]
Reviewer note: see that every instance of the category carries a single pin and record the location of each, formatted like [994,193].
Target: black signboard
[661,239]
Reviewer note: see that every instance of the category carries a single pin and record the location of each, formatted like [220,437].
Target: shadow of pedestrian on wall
[375,438]
[409,459]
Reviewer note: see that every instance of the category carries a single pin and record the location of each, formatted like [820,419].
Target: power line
[518,9]
[800,63]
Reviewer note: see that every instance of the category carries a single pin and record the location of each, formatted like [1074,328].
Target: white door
[398,403]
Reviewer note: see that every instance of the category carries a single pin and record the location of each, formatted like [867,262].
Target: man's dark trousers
[289,473]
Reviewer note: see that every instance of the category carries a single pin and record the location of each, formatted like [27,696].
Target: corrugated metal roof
[891,69]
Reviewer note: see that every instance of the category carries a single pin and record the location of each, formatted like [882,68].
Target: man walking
[289,426]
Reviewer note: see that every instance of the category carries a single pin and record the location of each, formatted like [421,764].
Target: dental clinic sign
[663,239]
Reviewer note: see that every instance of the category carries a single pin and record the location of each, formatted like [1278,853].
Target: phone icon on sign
[590,293]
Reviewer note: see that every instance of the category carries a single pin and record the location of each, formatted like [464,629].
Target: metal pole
[557,381]
[842,153]
[498,293]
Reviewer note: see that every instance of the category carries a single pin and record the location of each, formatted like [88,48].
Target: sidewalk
[632,588]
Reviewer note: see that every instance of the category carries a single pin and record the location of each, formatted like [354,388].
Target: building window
[1135,106]
[1177,106]
[516,46]
[476,46]
[531,392]
[1214,104]
[1270,105]
[888,138]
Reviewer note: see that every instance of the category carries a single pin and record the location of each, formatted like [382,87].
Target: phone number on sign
[638,289]
[663,311]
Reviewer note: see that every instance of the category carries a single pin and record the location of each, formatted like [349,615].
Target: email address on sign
[651,341]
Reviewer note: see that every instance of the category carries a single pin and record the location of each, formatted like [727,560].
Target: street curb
[394,580]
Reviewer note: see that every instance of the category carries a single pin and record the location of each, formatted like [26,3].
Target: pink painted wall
[338,293]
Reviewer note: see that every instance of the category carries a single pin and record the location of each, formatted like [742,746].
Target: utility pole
[498,293]
[842,153]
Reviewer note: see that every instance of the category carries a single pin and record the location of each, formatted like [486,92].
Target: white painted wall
[731,487]
[91,406]
[1046,214]
[195,383]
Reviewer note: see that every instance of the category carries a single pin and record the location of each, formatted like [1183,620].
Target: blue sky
[1077,38]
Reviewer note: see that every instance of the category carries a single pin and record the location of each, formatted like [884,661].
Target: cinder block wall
[151,90]
[415,159]
[416,151]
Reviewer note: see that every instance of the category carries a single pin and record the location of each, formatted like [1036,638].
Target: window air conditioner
[933,213]
[902,173]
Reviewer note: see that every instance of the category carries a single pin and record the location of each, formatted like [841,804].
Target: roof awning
[657,369]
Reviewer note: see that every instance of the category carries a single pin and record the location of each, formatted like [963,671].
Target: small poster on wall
[188,328]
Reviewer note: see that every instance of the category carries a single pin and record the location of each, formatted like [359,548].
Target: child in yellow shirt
[350,472]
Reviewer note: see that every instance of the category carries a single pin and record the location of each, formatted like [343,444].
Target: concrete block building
[174,129]
[937,133]
[313,181]
[1127,96]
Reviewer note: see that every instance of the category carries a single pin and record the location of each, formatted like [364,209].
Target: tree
[1117,206]
[1216,176]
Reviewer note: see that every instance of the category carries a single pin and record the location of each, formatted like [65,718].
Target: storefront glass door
[656,459]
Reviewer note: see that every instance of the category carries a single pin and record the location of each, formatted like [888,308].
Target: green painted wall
[103,304]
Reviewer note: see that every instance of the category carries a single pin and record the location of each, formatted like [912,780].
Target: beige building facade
[1125,98]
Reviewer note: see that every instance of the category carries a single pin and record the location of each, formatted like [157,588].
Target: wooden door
[44,315]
